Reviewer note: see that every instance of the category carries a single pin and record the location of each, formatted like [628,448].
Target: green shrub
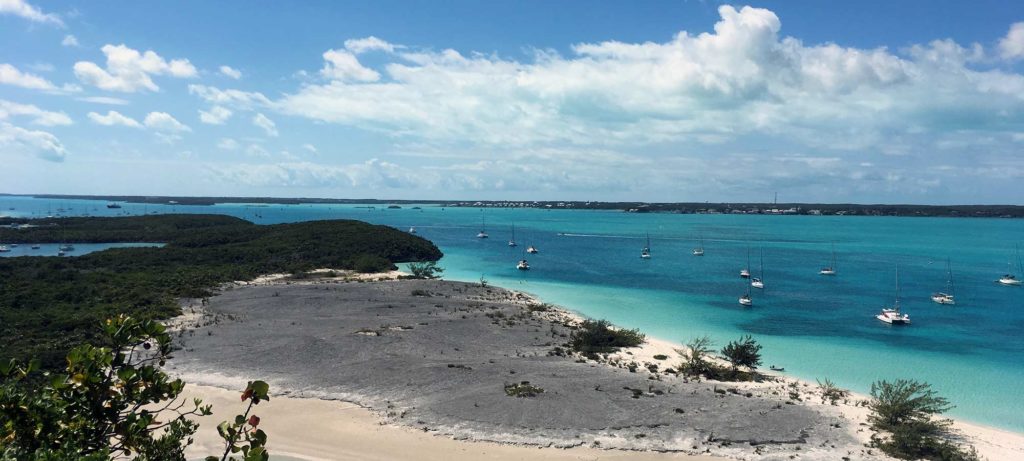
[907,410]
[743,353]
[522,389]
[425,270]
[598,336]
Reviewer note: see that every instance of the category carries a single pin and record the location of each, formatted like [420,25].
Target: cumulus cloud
[114,118]
[342,65]
[371,43]
[104,100]
[227,144]
[10,75]
[217,115]
[1012,45]
[235,98]
[69,40]
[130,71]
[39,116]
[164,122]
[227,71]
[265,123]
[27,11]
[41,144]
[256,150]
[371,174]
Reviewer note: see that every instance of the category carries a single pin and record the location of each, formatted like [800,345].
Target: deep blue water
[815,326]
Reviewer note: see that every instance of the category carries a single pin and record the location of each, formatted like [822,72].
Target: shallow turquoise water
[817,327]
[50,249]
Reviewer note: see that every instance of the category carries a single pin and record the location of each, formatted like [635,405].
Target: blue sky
[867,101]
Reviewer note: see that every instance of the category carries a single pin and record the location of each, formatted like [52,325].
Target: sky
[665,101]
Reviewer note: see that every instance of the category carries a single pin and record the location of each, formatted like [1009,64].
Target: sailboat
[893,316]
[646,252]
[4,249]
[532,250]
[1010,279]
[745,272]
[831,269]
[758,282]
[745,299]
[523,265]
[483,226]
[512,241]
[699,251]
[947,296]
[412,230]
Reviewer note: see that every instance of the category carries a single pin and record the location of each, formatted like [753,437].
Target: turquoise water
[814,326]
[50,249]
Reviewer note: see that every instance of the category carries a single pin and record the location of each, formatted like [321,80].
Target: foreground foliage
[908,412]
[111,403]
[50,304]
[595,336]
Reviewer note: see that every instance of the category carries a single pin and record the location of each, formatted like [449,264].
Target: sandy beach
[417,367]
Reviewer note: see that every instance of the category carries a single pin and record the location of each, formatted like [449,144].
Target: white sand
[314,429]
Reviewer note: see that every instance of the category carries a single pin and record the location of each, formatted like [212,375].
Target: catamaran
[512,241]
[745,272]
[699,251]
[893,316]
[947,296]
[1010,279]
[758,282]
[483,229]
[646,252]
[831,269]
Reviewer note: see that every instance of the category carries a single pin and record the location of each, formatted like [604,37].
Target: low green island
[50,304]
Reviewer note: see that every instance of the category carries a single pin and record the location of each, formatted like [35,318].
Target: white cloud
[344,66]
[371,174]
[129,71]
[27,11]
[256,150]
[164,122]
[10,75]
[1012,45]
[371,43]
[69,40]
[39,116]
[217,115]
[227,71]
[105,100]
[114,118]
[234,98]
[310,148]
[227,144]
[265,123]
[17,140]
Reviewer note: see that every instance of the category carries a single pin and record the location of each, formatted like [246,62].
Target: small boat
[1009,279]
[4,249]
[831,268]
[512,241]
[758,282]
[412,230]
[14,245]
[532,250]
[483,232]
[745,272]
[523,265]
[699,251]
[746,301]
[893,316]
[113,205]
[60,253]
[947,296]
[645,253]
[775,368]
[35,247]
[67,247]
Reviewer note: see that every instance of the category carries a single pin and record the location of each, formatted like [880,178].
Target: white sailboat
[758,282]
[745,272]
[831,268]
[947,296]
[699,251]
[745,299]
[1009,279]
[532,250]
[412,230]
[892,315]
[4,249]
[483,229]
[523,265]
[646,252]
[512,241]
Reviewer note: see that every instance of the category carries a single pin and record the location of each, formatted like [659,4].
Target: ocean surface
[815,326]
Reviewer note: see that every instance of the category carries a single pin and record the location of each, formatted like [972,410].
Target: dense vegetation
[598,336]
[908,412]
[114,403]
[49,305]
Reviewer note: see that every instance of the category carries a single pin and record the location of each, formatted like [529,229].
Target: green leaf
[222,429]
[260,390]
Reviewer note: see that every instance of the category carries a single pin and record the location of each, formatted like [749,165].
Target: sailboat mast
[949,276]
[897,287]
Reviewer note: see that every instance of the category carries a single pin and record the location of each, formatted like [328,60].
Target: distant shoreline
[762,208]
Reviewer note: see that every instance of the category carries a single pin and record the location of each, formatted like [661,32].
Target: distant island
[791,208]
